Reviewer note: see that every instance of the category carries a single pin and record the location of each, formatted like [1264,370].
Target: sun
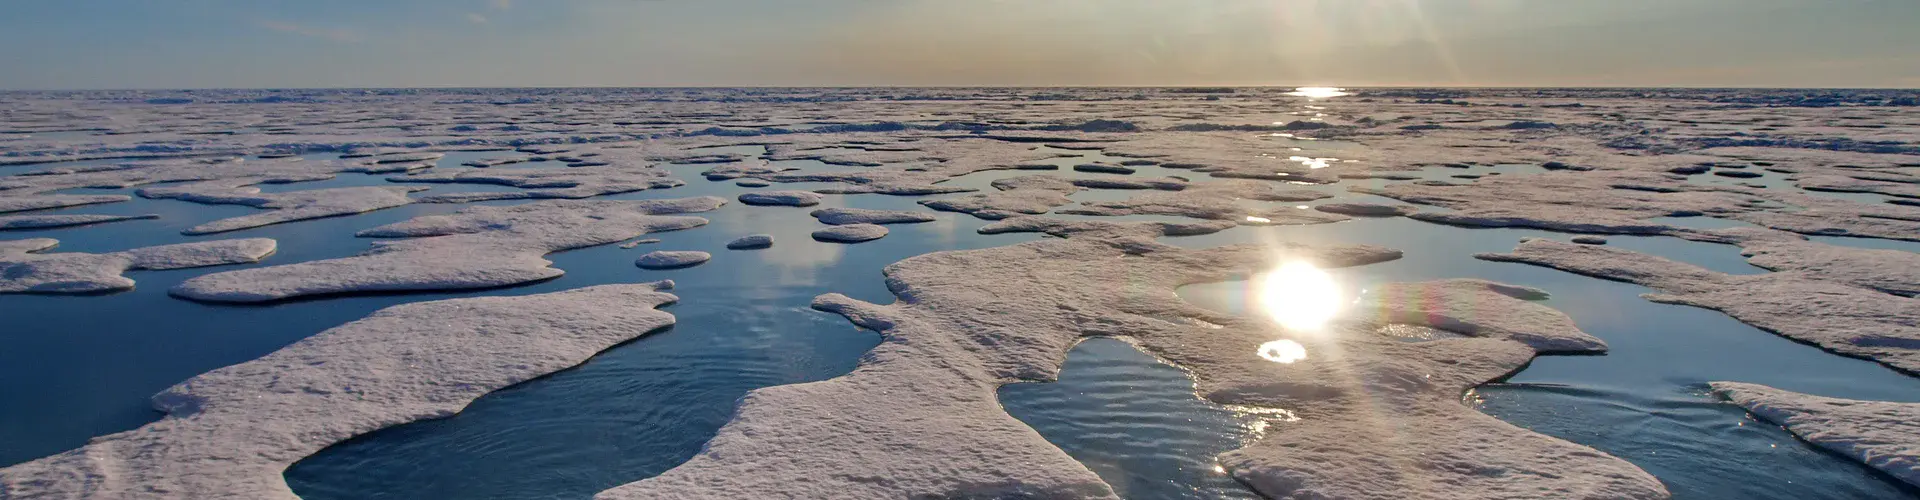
[1319,92]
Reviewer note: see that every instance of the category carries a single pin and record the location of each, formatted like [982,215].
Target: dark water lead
[631,412]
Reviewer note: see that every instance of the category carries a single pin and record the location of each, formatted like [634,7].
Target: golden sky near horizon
[228,43]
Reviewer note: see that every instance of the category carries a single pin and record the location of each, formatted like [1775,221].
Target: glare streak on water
[1646,400]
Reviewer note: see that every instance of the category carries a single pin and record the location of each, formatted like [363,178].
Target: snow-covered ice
[843,216]
[479,247]
[672,259]
[851,233]
[282,207]
[782,198]
[751,242]
[26,266]
[9,222]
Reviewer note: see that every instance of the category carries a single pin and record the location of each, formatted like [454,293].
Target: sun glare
[1283,351]
[1318,92]
[1299,296]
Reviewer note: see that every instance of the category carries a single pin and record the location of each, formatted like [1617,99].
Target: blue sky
[55,44]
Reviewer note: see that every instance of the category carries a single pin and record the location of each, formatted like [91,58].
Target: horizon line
[1181,86]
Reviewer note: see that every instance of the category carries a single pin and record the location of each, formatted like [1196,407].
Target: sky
[121,44]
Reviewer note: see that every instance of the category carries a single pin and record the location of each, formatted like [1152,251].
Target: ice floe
[843,216]
[781,198]
[751,242]
[672,259]
[851,233]
[12,222]
[1218,200]
[26,267]
[479,247]
[281,207]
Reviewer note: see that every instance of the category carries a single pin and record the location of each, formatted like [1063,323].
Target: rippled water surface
[1135,421]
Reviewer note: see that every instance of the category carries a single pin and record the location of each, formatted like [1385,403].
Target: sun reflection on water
[1283,351]
[1299,296]
[1312,162]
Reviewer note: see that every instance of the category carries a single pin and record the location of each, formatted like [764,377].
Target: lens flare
[1299,296]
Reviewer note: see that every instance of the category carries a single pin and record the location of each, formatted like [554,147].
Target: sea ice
[25,269]
[282,207]
[1004,203]
[12,222]
[844,216]
[781,198]
[12,203]
[1218,200]
[543,183]
[479,247]
[751,242]
[851,233]
[672,259]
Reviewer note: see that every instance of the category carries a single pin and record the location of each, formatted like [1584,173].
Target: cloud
[502,5]
[476,18]
[334,34]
